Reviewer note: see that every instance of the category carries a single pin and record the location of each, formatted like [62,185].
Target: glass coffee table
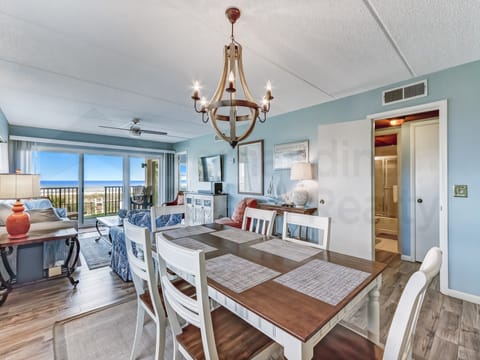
[107,221]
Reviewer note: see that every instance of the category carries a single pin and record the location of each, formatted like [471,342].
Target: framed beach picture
[284,155]
[250,168]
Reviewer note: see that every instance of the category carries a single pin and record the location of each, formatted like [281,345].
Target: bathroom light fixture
[235,111]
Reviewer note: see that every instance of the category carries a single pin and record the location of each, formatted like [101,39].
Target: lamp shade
[17,186]
[301,171]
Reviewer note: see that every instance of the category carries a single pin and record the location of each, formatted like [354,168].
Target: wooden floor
[447,328]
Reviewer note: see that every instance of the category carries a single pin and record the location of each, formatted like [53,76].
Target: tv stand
[204,208]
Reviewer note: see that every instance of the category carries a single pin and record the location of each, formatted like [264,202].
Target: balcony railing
[96,203]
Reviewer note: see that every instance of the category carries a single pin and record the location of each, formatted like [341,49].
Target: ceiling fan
[135,129]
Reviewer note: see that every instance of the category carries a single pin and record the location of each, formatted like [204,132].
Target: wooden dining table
[291,318]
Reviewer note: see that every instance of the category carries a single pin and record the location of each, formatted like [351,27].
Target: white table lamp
[300,171]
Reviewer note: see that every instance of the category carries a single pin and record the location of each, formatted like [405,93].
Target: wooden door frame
[442,108]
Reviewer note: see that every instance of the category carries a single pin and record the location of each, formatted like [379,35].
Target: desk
[35,237]
[294,320]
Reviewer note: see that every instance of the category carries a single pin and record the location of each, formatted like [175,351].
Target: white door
[345,185]
[426,199]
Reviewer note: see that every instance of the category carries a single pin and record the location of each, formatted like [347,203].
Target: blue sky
[64,166]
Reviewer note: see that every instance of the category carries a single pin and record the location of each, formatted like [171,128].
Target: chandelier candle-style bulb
[196,91]
[224,107]
[231,82]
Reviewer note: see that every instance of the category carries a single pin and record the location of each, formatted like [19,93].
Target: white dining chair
[140,260]
[156,211]
[341,343]
[307,226]
[259,220]
[217,334]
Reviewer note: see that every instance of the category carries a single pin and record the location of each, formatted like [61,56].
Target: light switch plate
[460,190]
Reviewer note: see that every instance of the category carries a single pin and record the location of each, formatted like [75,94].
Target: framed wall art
[250,168]
[284,155]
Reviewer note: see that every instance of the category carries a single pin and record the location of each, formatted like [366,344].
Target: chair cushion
[235,338]
[342,344]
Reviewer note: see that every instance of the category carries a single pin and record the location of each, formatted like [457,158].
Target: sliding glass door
[102,185]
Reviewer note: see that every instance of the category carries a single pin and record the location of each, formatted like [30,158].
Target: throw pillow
[42,215]
[5,210]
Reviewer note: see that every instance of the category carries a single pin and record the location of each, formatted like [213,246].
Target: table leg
[296,349]
[100,235]
[374,312]
[6,284]
[69,265]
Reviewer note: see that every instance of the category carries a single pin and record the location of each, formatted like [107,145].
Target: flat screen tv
[210,168]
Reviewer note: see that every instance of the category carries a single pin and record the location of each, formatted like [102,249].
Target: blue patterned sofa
[119,259]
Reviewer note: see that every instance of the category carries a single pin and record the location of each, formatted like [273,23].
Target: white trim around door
[441,106]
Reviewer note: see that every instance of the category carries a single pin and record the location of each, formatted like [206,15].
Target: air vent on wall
[405,93]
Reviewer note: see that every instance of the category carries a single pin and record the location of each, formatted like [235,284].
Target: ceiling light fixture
[238,111]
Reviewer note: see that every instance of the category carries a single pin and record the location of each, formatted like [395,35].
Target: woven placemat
[187,231]
[236,273]
[324,281]
[238,236]
[287,249]
[193,244]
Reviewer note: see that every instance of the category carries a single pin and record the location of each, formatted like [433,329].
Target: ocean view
[91,186]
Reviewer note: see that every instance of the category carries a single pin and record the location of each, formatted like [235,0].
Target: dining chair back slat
[156,211]
[400,337]
[190,264]
[316,226]
[259,221]
[140,259]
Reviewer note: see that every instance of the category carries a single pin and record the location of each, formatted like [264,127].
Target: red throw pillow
[239,211]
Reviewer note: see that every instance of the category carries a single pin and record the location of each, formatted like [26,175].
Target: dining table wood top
[296,313]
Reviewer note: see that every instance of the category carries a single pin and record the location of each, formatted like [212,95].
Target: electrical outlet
[460,190]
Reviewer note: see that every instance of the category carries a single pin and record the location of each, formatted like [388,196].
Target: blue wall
[459,85]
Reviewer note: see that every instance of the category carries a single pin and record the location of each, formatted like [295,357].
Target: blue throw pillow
[37,204]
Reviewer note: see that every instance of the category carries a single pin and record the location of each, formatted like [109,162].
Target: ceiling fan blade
[153,132]
[111,127]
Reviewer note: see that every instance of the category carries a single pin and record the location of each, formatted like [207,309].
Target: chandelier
[225,110]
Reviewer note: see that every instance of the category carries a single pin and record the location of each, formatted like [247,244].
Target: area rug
[106,334]
[96,253]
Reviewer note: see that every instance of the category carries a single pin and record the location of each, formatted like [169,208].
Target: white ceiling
[73,65]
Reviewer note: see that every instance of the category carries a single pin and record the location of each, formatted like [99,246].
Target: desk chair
[219,334]
[259,221]
[341,343]
[306,226]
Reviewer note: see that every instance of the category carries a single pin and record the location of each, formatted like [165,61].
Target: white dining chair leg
[374,313]
[160,340]
[138,329]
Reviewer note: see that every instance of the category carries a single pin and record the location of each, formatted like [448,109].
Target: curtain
[169,176]
[22,156]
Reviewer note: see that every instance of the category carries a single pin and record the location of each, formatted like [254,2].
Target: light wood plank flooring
[447,328]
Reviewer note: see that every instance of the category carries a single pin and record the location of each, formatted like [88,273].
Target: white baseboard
[407,258]
[461,295]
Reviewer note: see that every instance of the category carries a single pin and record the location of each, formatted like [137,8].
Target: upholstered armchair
[237,217]
[179,200]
